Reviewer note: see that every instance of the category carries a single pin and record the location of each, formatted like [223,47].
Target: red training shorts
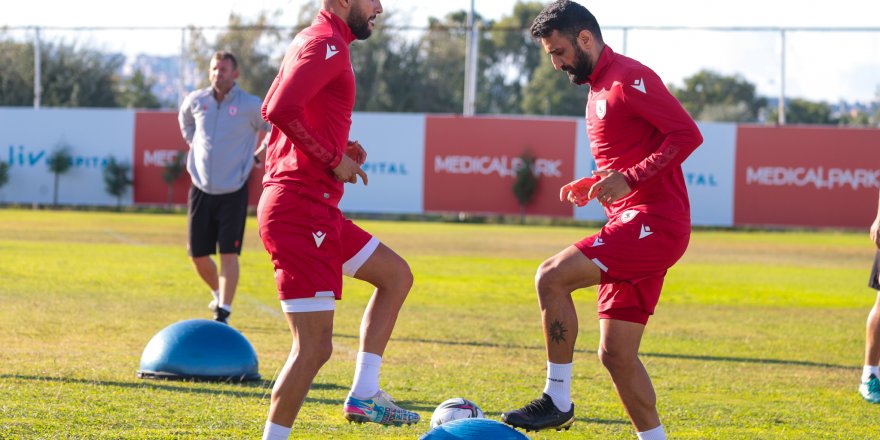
[634,250]
[310,242]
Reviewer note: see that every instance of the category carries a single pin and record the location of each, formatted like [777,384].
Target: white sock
[652,434]
[275,432]
[216,294]
[227,307]
[868,370]
[366,375]
[558,385]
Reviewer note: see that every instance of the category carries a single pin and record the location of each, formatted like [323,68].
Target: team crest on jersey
[233,110]
[628,215]
[601,108]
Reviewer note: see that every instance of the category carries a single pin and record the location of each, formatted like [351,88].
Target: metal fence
[840,66]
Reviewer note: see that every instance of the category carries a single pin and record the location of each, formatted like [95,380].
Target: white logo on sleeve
[331,50]
[598,242]
[639,85]
[646,231]
[600,108]
[319,237]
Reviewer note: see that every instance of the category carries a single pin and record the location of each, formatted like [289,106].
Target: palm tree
[116,179]
[173,170]
[525,184]
[59,163]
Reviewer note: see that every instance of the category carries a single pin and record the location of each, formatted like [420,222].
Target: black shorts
[216,220]
[874,283]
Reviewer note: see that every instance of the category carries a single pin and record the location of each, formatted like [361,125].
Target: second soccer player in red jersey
[310,242]
[639,136]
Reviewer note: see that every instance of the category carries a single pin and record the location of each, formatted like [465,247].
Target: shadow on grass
[603,421]
[690,357]
[257,389]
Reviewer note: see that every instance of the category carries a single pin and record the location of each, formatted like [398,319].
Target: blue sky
[826,66]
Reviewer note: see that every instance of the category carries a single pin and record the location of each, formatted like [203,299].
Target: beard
[359,23]
[580,71]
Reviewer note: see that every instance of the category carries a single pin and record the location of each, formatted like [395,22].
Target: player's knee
[313,357]
[615,360]
[405,276]
[395,277]
[547,280]
[399,278]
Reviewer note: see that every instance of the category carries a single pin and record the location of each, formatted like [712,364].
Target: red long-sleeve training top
[309,106]
[638,128]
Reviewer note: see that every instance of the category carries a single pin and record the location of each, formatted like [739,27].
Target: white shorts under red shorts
[310,242]
[634,250]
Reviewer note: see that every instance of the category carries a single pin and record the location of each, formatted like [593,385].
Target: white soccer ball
[454,409]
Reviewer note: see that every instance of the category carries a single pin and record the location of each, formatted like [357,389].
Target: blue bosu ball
[199,349]
[483,429]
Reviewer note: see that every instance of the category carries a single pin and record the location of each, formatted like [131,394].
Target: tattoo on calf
[557,331]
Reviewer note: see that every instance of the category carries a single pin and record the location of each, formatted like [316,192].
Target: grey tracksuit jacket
[222,138]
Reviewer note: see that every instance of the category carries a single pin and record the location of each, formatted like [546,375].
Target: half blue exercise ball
[483,429]
[199,349]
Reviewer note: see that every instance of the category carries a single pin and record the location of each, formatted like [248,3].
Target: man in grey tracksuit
[221,124]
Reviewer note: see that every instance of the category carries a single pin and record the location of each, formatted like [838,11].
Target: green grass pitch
[758,335]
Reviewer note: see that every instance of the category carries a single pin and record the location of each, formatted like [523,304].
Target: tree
[136,92]
[440,63]
[78,77]
[552,93]
[59,163]
[387,70]
[802,111]
[710,96]
[116,180]
[16,73]
[509,57]
[4,173]
[71,76]
[854,118]
[249,42]
[526,183]
[172,172]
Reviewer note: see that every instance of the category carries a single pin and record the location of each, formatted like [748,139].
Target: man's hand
[611,188]
[577,192]
[348,171]
[875,232]
[356,152]
[260,158]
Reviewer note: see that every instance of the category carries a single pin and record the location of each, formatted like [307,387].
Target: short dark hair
[567,17]
[225,55]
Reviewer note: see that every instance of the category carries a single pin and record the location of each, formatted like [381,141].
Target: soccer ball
[454,409]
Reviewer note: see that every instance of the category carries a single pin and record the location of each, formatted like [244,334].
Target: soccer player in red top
[639,136]
[310,242]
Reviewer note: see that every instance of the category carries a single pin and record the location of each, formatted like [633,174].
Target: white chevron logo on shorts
[646,231]
[319,237]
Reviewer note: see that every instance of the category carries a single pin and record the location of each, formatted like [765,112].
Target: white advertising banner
[28,137]
[584,167]
[395,145]
[708,172]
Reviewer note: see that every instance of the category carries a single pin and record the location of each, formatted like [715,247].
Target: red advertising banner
[157,140]
[471,163]
[806,176]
